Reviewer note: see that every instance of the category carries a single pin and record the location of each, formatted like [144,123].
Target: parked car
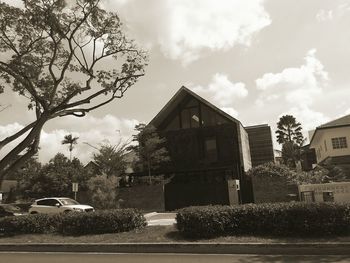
[53,205]
[9,210]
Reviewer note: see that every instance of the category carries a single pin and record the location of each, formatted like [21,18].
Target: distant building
[331,140]
[260,144]
[209,151]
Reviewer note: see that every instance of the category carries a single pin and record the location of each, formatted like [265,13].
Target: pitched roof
[345,120]
[177,98]
[340,122]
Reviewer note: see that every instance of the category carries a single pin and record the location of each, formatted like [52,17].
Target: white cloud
[299,85]
[222,92]
[184,29]
[92,130]
[324,15]
[294,90]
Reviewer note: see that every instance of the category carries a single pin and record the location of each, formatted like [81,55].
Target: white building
[332,140]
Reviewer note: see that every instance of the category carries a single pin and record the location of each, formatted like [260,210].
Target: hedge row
[277,219]
[109,221]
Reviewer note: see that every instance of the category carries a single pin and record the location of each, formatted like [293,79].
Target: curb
[192,248]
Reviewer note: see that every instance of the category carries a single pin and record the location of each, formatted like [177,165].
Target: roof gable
[345,120]
[340,122]
[177,99]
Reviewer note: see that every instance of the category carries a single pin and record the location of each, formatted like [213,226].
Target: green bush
[74,223]
[109,221]
[277,219]
[29,224]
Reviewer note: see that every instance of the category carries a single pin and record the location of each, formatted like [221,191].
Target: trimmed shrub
[29,224]
[277,219]
[109,221]
[74,223]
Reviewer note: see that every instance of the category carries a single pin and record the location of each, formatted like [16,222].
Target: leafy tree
[51,52]
[110,159]
[290,136]
[54,178]
[150,148]
[103,191]
[70,140]
[289,130]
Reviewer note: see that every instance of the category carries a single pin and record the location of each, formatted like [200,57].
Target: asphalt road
[161,258]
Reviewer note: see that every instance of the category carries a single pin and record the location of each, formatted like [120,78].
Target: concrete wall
[341,191]
[148,198]
[272,190]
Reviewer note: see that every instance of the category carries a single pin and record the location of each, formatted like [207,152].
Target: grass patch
[156,234]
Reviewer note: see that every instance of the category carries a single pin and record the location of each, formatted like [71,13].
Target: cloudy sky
[255,59]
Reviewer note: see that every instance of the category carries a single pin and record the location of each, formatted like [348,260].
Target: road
[162,258]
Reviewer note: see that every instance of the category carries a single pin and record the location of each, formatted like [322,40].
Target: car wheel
[33,213]
[67,211]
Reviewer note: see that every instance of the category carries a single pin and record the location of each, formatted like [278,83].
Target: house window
[211,152]
[190,118]
[339,143]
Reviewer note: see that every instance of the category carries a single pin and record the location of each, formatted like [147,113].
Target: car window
[68,201]
[47,202]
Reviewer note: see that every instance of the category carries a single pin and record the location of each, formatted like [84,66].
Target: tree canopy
[110,159]
[52,53]
[150,148]
[289,130]
[70,140]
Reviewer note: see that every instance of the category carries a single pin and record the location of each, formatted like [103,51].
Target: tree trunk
[9,162]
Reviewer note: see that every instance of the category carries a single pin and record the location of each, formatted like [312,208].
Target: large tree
[54,178]
[52,53]
[290,136]
[289,130]
[150,148]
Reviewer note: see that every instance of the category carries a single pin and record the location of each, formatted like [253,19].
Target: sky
[257,60]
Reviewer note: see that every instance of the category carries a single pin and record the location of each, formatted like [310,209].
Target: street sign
[75,187]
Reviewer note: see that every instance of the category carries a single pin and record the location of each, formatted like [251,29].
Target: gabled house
[209,151]
[332,140]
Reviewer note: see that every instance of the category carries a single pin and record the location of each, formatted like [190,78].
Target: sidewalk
[160,219]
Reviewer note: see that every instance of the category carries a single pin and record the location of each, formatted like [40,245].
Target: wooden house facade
[209,150]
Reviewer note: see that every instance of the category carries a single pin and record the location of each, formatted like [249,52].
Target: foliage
[70,140]
[54,178]
[289,130]
[54,53]
[74,223]
[270,169]
[290,136]
[110,159]
[103,191]
[277,219]
[110,221]
[150,148]
[30,224]
[29,169]
[316,176]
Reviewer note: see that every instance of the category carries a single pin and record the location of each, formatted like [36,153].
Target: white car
[54,205]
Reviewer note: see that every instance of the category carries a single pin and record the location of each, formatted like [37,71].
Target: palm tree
[289,130]
[70,140]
